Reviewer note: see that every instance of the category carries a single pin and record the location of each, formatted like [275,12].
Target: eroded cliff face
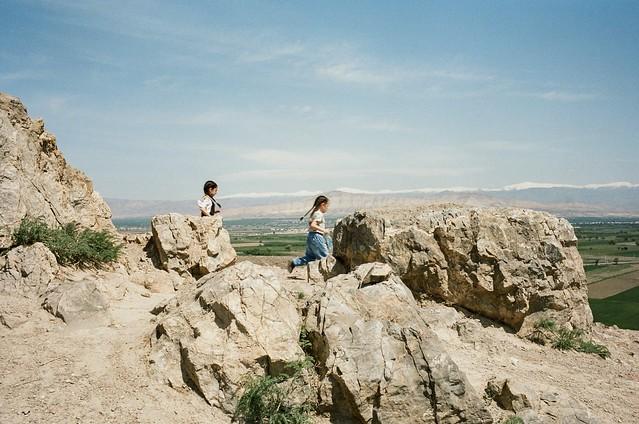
[506,264]
[36,180]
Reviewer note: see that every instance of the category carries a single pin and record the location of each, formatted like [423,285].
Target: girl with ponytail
[318,245]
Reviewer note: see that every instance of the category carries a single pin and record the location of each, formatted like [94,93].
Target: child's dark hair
[316,204]
[208,185]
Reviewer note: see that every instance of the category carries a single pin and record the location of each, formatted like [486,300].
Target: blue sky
[150,99]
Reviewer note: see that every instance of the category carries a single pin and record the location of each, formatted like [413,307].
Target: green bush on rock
[70,244]
[267,399]
[565,339]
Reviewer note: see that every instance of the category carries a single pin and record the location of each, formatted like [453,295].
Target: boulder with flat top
[192,245]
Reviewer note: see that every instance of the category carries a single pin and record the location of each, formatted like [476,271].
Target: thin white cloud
[352,73]
[22,75]
[502,146]
[274,156]
[559,96]
[323,172]
[566,97]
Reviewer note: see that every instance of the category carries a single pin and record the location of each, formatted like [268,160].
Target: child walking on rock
[318,244]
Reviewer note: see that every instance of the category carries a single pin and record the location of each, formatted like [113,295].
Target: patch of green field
[621,309]
[606,240]
[270,244]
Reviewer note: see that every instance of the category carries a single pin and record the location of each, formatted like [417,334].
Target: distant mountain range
[614,199]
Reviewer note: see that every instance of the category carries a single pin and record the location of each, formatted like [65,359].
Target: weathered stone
[379,361]
[15,311]
[36,181]
[512,395]
[158,281]
[189,244]
[76,302]
[28,270]
[237,322]
[505,264]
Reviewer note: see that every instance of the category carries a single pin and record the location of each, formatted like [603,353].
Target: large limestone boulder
[27,271]
[36,180]
[378,360]
[236,323]
[189,244]
[505,264]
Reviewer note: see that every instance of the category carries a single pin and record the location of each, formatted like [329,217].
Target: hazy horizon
[512,187]
[150,99]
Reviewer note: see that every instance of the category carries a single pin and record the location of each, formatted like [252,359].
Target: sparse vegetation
[305,341]
[565,339]
[588,346]
[70,244]
[268,399]
[546,324]
[513,420]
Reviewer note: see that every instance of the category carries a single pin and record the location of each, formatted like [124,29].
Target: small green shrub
[513,420]
[588,346]
[564,339]
[31,230]
[305,341]
[546,324]
[266,399]
[69,244]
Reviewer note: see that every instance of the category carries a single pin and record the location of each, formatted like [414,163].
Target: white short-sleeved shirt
[205,203]
[318,217]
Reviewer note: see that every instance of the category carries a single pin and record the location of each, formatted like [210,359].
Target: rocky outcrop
[35,179]
[235,323]
[378,360]
[505,264]
[27,271]
[192,245]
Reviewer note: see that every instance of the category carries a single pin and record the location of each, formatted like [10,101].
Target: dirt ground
[56,373]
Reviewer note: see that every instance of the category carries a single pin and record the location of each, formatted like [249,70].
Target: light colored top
[205,203]
[318,217]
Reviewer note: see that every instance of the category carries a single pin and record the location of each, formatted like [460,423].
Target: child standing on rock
[318,244]
[207,202]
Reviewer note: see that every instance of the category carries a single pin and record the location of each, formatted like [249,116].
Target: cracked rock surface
[191,245]
[238,322]
[378,360]
[505,264]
